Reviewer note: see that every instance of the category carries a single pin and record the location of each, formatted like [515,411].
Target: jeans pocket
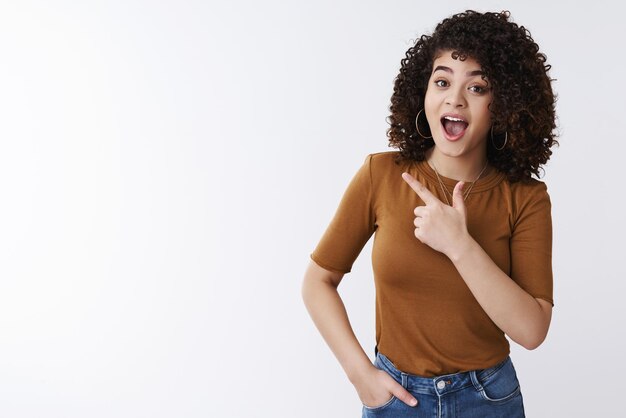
[380,407]
[501,386]
[380,364]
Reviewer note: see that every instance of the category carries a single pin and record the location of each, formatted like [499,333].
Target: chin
[449,149]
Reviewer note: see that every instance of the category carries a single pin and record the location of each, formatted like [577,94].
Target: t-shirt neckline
[484,183]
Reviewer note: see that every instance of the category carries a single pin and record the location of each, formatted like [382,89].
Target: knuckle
[404,397]
[402,394]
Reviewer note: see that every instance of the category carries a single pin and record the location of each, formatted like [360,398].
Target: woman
[463,244]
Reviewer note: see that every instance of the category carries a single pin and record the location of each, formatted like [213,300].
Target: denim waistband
[439,385]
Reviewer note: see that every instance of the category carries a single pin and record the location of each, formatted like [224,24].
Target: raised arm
[524,318]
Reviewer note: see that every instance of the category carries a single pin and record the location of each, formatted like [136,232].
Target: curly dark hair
[523,103]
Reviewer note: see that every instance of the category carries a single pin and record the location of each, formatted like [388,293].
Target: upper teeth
[453,119]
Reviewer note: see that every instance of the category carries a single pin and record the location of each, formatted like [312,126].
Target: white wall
[167,168]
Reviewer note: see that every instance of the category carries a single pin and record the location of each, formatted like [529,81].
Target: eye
[438,83]
[479,89]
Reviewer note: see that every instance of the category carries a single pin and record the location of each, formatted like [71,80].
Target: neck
[464,168]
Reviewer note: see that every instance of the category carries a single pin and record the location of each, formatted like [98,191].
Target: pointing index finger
[420,189]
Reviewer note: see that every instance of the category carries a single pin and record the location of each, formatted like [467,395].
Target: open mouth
[454,127]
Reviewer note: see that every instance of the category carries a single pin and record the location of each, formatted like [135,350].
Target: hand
[376,388]
[438,225]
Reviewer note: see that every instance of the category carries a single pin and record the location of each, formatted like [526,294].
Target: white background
[167,167]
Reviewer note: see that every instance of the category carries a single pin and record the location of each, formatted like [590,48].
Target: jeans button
[441,384]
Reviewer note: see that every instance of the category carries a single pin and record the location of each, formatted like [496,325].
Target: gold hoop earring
[417,127]
[506,137]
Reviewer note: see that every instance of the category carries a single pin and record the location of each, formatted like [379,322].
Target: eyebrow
[468,74]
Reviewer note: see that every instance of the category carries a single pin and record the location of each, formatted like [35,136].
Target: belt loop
[475,381]
[405,380]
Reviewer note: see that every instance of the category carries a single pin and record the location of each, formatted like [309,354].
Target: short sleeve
[352,225]
[531,244]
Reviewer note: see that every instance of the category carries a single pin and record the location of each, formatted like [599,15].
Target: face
[456,106]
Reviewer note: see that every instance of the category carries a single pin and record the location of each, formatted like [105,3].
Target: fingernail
[413,402]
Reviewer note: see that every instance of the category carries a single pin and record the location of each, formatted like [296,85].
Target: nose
[456,97]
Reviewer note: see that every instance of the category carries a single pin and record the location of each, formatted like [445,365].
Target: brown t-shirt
[428,322]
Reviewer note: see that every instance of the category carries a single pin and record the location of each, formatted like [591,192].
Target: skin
[523,318]
[456,86]
[321,298]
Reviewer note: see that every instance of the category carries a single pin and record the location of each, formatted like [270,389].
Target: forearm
[329,314]
[511,308]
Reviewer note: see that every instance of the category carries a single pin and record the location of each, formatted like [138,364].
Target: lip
[443,130]
[456,116]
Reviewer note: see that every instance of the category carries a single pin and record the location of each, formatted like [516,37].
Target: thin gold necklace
[445,190]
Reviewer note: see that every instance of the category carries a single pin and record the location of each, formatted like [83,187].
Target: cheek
[483,116]
[430,110]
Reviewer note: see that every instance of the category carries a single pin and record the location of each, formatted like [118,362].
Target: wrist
[460,248]
[358,374]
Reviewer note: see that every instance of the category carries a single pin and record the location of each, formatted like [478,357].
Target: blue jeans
[487,393]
